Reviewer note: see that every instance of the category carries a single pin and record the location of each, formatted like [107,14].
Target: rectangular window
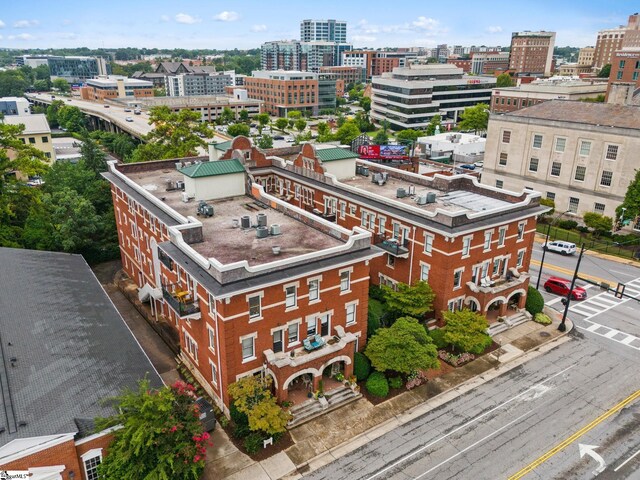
[621,64]
[503,159]
[391,260]
[585,148]
[290,297]
[487,240]
[91,467]
[212,338]
[292,333]
[466,246]
[520,231]
[381,223]
[214,373]
[32,139]
[277,341]
[612,152]
[580,173]
[561,143]
[573,204]
[45,140]
[555,169]
[345,281]
[424,272]
[499,183]
[191,346]
[520,258]
[247,348]
[457,278]
[496,266]
[533,164]
[343,209]
[314,290]
[502,234]
[312,327]
[428,244]
[351,313]
[599,208]
[606,178]
[551,195]
[537,141]
[254,306]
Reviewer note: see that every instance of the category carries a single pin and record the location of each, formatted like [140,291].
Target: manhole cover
[545,334]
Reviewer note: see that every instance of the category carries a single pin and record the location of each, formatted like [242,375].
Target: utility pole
[544,252]
[562,327]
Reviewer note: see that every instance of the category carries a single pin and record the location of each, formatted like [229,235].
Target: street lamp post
[562,327]
[544,250]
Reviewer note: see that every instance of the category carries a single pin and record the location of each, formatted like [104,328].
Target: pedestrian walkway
[602,302]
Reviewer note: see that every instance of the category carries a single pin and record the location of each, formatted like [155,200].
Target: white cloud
[226,16]
[2,24]
[67,35]
[165,18]
[186,19]
[424,23]
[26,23]
[259,28]
[494,29]
[1,37]
[363,38]
[21,36]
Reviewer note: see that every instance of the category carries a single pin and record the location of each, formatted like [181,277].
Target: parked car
[137,111]
[278,137]
[106,106]
[564,248]
[127,109]
[468,166]
[560,286]
[129,119]
[479,164]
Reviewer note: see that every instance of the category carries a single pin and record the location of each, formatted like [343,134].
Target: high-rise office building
[78,69]
[532,53]
[323,30]
[607,43]
[305,56]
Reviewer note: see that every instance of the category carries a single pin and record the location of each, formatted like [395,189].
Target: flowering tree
[160,436]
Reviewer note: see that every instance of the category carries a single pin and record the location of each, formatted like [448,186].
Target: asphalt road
[531,421]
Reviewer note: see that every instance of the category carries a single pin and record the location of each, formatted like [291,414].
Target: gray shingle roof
[71,346]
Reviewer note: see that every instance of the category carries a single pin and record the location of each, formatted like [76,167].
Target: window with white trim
[292,333]
[503,159]
[290,297]
[466,246]
[585,148]
[90,462]
[496,266]
[248,348]
[499,183]
[212,338]
[606,178]
[428,244]
[520,231]
[351,313]
[314,290]
[457,278]
[312,326]
[556,167]
[488,235]
[599,208]
[345,281]
[520,260]
[537,141]
[612,152]
[506,136]
[573,204]
[533,164]
[381,224]
[581,172]
[455,304]
[391,260]
[502,234]
[485,269]
[255,310]
[424,272]
[214,373]
[561,143]
[191,346]
[343,209]
[278,340]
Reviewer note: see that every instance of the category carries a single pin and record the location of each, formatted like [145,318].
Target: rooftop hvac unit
[275,229]
[358,169]
[262,219]
[180,185]
[431,197]
[186,197]
[178,165]
[422,200]
[365,171]
[245,221]
[401,193]
[204,209]
[262,232]
[374,178]
[385,176]
[411,190]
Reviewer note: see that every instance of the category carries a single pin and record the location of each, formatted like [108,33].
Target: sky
[247,24]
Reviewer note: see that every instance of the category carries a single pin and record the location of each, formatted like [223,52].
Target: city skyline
[247,24]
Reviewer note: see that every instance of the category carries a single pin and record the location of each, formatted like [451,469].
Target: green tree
[52,113]
[365,104]
[174,135]
[41,85]
[252,397]
[281,123]
[94,158]
[300,124]
[548,202]
[243,115]
[631,202]
[380,138]
[226,116]
[403,347]
[263,119]
[323,128]
[535,301]
[504,80]
[347,132]
[409,135]
[598,223]
[71,118]
[409,300]
[161,435]
[475,118]
[13,83]
[435,122]
[294,114]
[238,129]
[605,71]
[466,331]
[265,142]
[61,85]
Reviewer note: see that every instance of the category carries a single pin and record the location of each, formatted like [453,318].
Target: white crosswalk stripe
[610,333]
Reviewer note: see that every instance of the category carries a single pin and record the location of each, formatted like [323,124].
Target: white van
[564,248]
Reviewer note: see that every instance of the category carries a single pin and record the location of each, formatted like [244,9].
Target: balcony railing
[181,302]
[392,246]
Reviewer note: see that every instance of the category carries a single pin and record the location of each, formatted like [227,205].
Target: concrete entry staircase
[313,408]
[519,317]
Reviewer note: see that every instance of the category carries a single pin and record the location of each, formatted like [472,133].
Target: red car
[560,286]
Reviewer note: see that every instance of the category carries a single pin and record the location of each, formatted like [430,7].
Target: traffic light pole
[563,327]
[544,251]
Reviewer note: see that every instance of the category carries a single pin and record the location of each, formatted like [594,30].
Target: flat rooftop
[229,244]
[34,123]
[194,101]
[458,201]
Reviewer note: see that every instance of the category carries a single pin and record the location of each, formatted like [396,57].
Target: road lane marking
[568,271]
[568,441]
[626,461]
[610,333]
[470,422]
[622,273]
[473,445]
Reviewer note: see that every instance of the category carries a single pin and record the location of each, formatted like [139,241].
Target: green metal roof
[210,169]
[333,154]
[222,146]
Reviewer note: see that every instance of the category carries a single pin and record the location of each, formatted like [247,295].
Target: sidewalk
[326,438]
[540,238]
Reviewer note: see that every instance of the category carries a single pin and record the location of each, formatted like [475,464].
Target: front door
[277,341]
[324,325]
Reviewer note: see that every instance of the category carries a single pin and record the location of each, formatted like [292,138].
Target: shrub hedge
[437,335]
[542,319]
[396,382]
[361,366]
[377,385]
[535,302]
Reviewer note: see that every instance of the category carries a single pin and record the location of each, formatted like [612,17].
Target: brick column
[502,311]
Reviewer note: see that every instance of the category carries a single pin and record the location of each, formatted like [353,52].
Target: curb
[539,238]
[430,404]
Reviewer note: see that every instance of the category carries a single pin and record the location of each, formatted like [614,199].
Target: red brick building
[463,63]
[283,91]
[260,287]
